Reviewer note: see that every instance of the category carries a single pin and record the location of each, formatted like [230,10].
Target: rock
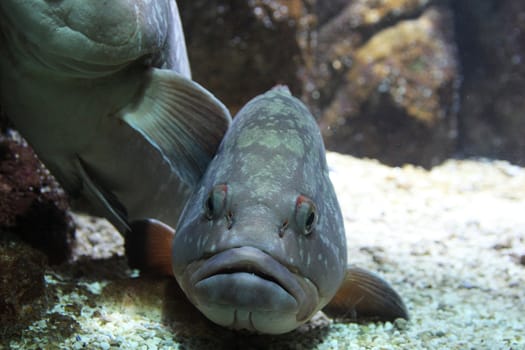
[335,39]
[492,43]
[327,9]
[382,77]
[22,286]
[392,97]
[239,49]
[356,15]
[32,205]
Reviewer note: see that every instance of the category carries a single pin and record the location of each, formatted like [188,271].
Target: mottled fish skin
[93,38]
[102,92]
[241,252]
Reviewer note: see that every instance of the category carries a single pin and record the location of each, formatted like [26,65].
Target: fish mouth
[249,289]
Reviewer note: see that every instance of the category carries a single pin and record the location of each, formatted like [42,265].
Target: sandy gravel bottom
[450,240]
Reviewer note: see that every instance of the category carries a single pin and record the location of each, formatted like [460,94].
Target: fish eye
[305,214]
[215,202]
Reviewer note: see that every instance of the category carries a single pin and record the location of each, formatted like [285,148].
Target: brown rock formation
[394,96]
[382,77]
[32,205]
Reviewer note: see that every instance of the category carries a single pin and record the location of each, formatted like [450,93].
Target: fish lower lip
[245,292]
[251,261]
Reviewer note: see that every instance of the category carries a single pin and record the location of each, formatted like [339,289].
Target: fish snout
[246,288]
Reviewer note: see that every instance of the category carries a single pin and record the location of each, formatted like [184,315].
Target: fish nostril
[229,219]
[283,228]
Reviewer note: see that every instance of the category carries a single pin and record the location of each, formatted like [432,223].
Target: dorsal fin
[184,121]
[365,296]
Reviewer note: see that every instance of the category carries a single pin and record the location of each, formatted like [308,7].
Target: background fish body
[102,92]
[70,38]
[248,251]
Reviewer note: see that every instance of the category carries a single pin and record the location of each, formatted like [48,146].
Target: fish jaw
[245,288]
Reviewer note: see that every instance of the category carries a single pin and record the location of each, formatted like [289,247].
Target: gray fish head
[260,244]
[78,37]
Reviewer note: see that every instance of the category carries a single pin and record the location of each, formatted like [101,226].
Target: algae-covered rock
[381,76]
[397,97]
[22,286]
[32,205]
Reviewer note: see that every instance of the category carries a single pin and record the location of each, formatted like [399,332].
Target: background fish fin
[106,204]
[148,247]
[184,121]
[365,296]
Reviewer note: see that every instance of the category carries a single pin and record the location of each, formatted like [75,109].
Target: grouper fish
[260,244]
[102,91]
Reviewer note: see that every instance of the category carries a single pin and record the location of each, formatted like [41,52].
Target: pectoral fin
[148,247]
[106,204]
[365,296]
[184,121]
